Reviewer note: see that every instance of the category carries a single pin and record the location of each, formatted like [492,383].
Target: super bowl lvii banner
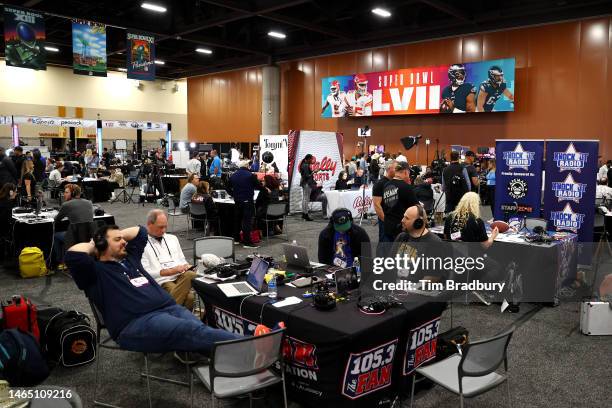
[569,198]
[140,56]
[24,38]
[88,48]
[485,86]
[518,178]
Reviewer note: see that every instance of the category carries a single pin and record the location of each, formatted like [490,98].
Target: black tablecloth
[41,234]
[226,217]
[341,357]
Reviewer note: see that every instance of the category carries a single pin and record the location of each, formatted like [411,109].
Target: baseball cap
[342,220]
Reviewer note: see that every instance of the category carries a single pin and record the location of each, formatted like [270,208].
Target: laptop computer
[345,280]
[253,284]
[297,259]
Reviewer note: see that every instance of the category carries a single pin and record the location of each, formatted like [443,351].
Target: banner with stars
[569,193]
[518,178]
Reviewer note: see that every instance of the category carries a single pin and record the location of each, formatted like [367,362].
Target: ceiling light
[381,12]
[204,50]
[276,34]
[122,69]
[153,7]
[159,62]
[52,49]
[192,145]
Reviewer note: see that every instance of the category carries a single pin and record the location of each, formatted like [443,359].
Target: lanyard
[125,269]
[155,252]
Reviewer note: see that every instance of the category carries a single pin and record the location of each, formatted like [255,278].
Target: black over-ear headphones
[420,222]
[99,238]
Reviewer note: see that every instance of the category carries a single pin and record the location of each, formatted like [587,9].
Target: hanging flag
[24,38]
[140,56]
[88,48]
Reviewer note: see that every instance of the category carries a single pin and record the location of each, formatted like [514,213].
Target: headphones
[323,299]
[99,238]
[420,222]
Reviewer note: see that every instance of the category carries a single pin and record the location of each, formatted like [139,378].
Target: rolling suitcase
[596,318]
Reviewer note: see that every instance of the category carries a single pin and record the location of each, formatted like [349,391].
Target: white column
[270,101]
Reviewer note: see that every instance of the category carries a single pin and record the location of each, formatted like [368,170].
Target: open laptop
[297,259]
[253,284]
[345,280]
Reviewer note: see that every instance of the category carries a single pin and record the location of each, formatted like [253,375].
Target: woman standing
[307,183]
[28,181]
[491,186]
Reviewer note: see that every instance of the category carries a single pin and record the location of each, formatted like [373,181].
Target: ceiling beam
[448,9]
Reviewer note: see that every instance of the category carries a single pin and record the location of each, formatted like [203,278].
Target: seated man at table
[78,211]
[138,313]
[55,178]
[341,241]
[163,259]
[188,191]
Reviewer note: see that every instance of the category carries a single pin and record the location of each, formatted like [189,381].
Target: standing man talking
[307,183]
[243,184]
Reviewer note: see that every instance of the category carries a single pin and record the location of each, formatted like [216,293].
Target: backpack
[20,313]
[67,337]
[32,263]
[21,362]
[457,186]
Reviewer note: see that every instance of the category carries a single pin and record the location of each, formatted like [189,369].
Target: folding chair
[175,212]
[109,344]
[274,213]
[473,371]
[197,212]
[242,366]
[220,246]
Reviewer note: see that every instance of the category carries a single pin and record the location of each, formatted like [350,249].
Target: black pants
[243,220]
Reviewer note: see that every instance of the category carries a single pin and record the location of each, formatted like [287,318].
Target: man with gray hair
[163,259]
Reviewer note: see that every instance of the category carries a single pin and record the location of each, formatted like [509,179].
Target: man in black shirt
[455,182]
[398,195]
[307,183]
[243,184]
[377,196]
[18,158]
[470,157]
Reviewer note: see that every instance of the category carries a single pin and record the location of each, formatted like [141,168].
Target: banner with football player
[518,178]
[140,56]
[569,194]
[88,48]
[485,86]
[24,38]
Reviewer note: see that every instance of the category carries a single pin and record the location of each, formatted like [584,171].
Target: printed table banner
[132,124]
[274,154]
[24,38]
[88,48]
[140,56]
[484,86]
[518,178]
[569,198]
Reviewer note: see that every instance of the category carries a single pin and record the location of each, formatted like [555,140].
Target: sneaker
[262,329]
[249,245]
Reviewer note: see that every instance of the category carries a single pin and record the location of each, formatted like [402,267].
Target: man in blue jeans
[139,314]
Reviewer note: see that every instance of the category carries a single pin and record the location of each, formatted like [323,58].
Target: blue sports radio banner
[569,199]
[518,178]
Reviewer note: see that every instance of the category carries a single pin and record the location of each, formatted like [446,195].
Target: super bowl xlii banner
[569,193]
[140,56]
[485,86]
[88,48]
[24,38]
[518,178]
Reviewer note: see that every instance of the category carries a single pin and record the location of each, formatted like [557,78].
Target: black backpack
[457,187]
[66,337]
[21,362]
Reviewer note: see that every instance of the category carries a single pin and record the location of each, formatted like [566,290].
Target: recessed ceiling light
[159,62]
[381,12]
[122,69]
[153,7]
[204,50]
[52,49]
[276,34]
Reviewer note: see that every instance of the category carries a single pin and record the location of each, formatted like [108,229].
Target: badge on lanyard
[139,281]
[456,236]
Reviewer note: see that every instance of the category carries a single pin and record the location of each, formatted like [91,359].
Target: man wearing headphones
[415,241]
[164,260]
[341,240]
[138,313]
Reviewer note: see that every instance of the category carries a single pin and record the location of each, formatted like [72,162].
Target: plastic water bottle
[294,242]
[272,291]
[357,267]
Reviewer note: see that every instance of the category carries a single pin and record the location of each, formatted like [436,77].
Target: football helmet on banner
[456,74]
[334,87]
[496,75]
[361,83]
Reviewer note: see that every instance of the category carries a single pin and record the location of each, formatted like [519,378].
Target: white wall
[29,92]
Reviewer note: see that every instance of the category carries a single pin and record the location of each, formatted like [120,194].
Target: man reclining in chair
[138,313]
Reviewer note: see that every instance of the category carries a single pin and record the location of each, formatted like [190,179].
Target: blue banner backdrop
[518,178]
[569,199]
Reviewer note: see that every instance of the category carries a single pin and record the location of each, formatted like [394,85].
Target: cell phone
[192,267]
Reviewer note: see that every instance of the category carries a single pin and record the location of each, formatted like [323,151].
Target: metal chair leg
[97,373]
[284,391]
[146,360]
[412,392]
[191,389]
[508,391]
[460,400]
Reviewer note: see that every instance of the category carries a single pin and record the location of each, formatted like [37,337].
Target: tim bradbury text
[406,285]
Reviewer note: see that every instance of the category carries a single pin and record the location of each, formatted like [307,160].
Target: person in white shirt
[194,165]
[164,260]
[602,174]
[235,155]
[401,158]
[55,177]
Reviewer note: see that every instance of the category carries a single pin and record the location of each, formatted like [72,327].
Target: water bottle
[357,267]
[294,242]
[272,291]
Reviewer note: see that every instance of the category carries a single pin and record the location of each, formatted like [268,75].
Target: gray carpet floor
[551,363]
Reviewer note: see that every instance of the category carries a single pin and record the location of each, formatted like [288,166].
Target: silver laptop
[297,257]
[253,284]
